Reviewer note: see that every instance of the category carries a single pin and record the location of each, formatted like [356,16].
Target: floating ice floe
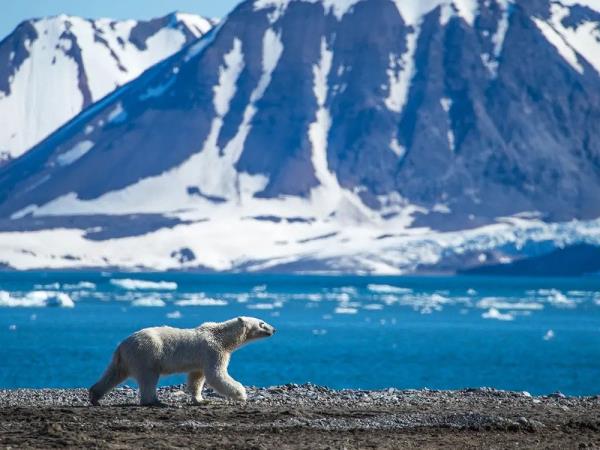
[80,285]
[579,293]
[558,299]
[338,296]
[549,335]
[265,305]
[131,284]
[150,302]
[493,313]
[387,289]
[500,303]
[36,299]
[373,306]
[201,300]
[424,303]
[345,310]
[174,315]
[47,286]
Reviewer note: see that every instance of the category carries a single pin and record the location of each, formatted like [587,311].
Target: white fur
[202,352]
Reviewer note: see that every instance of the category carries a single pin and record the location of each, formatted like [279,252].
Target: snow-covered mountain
[52,68]
[382,136]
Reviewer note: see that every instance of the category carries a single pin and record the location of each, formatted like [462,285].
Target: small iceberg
[345,310]
[493,313]
[58,299]
[174,315]
[500,303]
[262,306]
[387,289]
[80,285]
[560,300]
[131,284]
[549,335]
[36,299]
[150,302]
[200,300]
[373,306]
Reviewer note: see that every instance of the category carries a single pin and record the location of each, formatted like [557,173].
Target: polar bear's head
[237,332]
[255,328]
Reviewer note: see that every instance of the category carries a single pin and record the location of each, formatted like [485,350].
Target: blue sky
[15,11]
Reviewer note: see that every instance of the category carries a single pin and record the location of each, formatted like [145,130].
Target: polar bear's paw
[240,395]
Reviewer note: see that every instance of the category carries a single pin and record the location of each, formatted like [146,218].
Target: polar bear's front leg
[195,384]
[226,386]
[218,378]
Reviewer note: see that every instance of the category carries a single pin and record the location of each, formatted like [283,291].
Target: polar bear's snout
[258,328]
[268,329]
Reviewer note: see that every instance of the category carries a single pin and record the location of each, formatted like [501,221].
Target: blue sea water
[537,335]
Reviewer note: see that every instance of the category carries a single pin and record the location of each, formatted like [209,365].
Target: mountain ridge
[83,60]
[362,147]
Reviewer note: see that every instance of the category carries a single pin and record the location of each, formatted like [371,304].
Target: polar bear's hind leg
[114,374]
[148,382]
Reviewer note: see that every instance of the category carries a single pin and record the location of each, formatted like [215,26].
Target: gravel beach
[300,416]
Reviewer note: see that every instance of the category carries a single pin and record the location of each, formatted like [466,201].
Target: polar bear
[202,352]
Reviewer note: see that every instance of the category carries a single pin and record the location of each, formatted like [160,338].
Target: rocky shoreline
[300,416]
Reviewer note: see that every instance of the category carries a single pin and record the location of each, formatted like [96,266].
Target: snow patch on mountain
[397,148]
[228,76]
[592,4]
[447,106]
[43,93]
[400,73]
[118,114]
[319,129]
[412,11]
[336,7]
[70,156]
[583,38]
[491,60]
[218,181]
[559,42]
[329,197]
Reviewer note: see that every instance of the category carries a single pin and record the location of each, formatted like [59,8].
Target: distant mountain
[330,135]
[52,68]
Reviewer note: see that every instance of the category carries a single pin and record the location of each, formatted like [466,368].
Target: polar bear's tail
[114,374]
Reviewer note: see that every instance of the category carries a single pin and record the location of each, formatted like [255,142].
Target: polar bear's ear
[240,319]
